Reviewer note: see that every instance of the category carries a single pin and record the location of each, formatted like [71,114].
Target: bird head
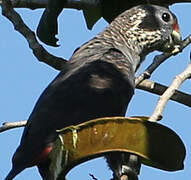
[160,29]
[146,28]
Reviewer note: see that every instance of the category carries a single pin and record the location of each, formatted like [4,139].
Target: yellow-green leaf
[156,145]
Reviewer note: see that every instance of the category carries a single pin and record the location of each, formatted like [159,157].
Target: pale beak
[177,41]
[173,45]
[176,37]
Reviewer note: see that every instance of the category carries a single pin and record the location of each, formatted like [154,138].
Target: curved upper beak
[176,39]
[174,44]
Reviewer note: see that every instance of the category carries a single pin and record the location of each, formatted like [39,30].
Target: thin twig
[179,79]
[158,60]
[159,89]
[10,125]
[93,177]
[38,50]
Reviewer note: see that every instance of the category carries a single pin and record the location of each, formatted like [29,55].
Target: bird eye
[166,17]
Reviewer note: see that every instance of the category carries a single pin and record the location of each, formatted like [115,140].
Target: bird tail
[13,173]
[123,164]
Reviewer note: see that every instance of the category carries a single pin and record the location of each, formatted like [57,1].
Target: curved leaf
[156,145]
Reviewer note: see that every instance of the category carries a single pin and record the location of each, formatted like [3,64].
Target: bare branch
[179,79]
[171,92]
[93,177]
[77,4]
[35,4]
[10,125]
[32,4]
[158,60]
[38,50]
[159,89]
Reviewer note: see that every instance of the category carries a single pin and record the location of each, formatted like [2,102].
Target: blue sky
[23,78]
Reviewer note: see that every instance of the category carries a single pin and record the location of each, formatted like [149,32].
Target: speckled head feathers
[150,27]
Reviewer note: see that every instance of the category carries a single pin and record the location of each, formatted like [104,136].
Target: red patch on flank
[43,155]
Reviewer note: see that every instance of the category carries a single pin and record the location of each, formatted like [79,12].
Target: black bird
[98,81]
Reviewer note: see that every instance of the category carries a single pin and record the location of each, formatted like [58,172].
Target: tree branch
[93,177]
[35,4]
[179,79]
[38,50]
[78,4]
[159,89]
[10,125]
[158,60]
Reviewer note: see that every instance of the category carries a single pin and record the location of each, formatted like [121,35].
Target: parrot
[98,81]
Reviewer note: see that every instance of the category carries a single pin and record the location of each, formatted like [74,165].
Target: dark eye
[166,17]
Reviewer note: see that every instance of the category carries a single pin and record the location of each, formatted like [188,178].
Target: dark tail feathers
[13,173]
